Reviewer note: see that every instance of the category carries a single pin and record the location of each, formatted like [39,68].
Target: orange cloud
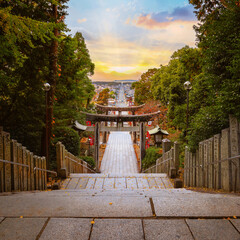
[103,76]
[146,21]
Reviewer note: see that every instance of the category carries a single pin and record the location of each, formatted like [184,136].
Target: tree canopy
[28,30]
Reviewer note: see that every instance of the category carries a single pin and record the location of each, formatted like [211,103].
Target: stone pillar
[96,146]
[166,145]
[225,165]
[61,164]
[234,151]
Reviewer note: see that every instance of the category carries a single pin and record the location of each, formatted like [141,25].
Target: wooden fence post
[225,165]
[24,169]
[210,164]
[197,168]
[217,163]
[234,151]
[205,159]
[28,170]
[7,166]
[15,172]
[191,168]
[186,167]
[32,172]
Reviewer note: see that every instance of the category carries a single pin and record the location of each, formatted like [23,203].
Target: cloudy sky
[127,37]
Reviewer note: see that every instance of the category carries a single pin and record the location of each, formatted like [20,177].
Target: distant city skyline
[127,37]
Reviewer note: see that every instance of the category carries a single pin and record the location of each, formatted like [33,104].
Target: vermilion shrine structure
[119,119]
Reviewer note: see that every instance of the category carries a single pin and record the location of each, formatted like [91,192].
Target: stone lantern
[158,134]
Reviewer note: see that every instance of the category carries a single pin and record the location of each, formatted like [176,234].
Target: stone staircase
[116,182]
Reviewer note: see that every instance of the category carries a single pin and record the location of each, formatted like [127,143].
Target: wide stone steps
[117,182]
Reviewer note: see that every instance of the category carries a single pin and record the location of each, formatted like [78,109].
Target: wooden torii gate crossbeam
[119,119]
[107,109]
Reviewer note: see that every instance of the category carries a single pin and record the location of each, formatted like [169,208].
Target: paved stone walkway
[119,214]
[119,156]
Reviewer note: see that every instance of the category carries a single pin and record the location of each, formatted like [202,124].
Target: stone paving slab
[99,183]
[213,229]
[160,183]
[67,228]
[68,204]
[82,183]
[167,183]
[162,229]
[142,183]
[120,183]
[109,183]
[236,223]
[131,183]
[91,183]
[117,229]
[196,205]
[21,228]
[152,183]
[73,183]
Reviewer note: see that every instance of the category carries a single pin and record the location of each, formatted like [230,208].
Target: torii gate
[119,119]
[107,109]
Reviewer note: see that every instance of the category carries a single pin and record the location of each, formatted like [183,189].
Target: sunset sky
[127,37]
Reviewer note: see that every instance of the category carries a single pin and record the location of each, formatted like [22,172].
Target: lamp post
[46,88]
[187,87]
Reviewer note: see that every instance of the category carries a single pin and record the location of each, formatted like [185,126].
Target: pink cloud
[146,21]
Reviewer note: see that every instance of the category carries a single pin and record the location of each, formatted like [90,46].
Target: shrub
[152,154]
[89,160]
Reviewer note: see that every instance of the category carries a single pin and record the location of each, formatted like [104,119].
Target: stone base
[178,183]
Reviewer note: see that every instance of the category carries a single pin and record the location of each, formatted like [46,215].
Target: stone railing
[169,162]
[68,163]
[20,170]
[216,162]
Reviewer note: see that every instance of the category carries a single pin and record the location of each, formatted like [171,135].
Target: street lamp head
[46,87]
[187,85]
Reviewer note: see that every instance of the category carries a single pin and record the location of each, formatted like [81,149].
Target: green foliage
[90,160]
[26,36]
[143,87]
[69,138]
[215,94]
[167,83]
[152,154]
